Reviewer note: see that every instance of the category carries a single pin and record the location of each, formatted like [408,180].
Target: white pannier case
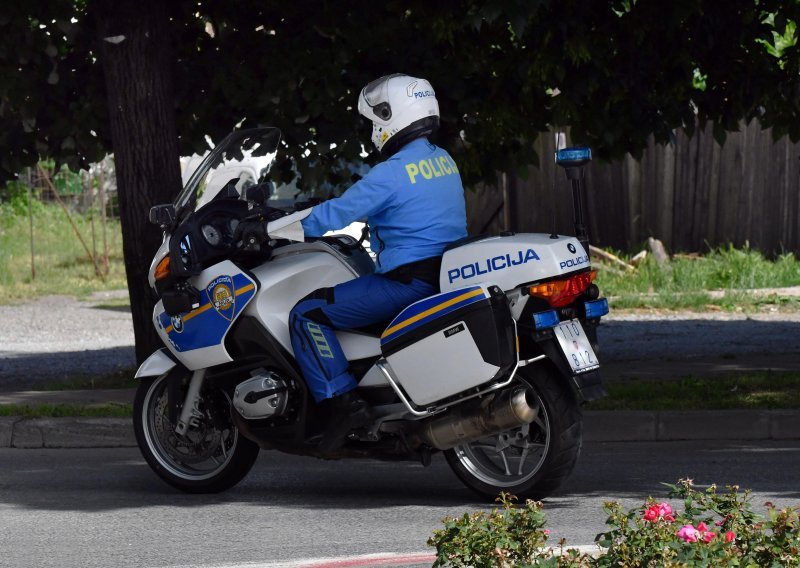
[450,343]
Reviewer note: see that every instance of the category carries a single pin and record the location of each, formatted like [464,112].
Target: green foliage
[615,72]
[714,529]
[52,99]
[14,200]
[685,282]
[784,35]
[509,536]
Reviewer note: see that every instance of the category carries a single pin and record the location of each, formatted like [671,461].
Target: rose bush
[714,529]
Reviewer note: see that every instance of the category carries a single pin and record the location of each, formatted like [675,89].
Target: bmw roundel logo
[571,248]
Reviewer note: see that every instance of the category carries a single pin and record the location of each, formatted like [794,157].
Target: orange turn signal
[162,269]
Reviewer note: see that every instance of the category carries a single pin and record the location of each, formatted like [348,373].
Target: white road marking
[367,560]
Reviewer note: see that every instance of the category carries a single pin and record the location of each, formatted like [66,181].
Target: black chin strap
[422,128]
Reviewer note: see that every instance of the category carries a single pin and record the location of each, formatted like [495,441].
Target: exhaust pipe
[467,423]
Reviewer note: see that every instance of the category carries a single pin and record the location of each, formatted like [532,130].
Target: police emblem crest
[222,296]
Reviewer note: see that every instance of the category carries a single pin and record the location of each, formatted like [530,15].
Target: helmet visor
[375,97]
[377,91]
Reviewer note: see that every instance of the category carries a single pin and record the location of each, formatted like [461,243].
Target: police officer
[413,201]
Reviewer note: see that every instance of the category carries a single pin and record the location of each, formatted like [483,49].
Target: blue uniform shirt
[413,202]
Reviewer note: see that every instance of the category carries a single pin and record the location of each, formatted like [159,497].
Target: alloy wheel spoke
[505,462]
[523,456]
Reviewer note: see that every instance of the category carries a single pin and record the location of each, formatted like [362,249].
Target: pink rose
[702,527]
[709,536]
[688,533]
[659,511]
[729,536]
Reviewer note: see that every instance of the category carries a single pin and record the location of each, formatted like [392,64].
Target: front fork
[190,412]
[161,362]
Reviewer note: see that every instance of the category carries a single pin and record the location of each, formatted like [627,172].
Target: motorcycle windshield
[241,160]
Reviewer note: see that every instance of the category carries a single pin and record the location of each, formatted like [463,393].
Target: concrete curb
[599,426]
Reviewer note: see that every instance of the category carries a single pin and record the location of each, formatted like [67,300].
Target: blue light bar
[596,308]
[574,156]
[545,320]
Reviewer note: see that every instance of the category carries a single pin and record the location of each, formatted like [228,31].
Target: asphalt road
[100,508]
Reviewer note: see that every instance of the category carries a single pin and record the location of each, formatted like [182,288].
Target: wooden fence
[691,195]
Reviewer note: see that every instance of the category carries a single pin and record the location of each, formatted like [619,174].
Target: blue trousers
[364,301]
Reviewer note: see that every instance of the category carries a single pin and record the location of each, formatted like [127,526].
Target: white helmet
[401,108]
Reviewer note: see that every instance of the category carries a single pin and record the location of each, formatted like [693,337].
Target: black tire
[211,458]
[549,446]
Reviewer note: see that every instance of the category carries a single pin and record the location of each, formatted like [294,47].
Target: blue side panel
[429,309]
[221,301]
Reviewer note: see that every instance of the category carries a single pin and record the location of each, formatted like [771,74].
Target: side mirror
[162,215]
[260,193]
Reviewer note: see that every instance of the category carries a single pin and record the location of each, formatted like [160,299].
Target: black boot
[346,413]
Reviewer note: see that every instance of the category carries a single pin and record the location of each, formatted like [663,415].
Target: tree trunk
[137,61]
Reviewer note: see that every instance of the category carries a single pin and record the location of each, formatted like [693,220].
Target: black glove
[251,233]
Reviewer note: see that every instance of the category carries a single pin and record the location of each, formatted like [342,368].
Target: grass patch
[122,379]
[756,391]
[107,410]
[732,301]
[62,265]
[686,283]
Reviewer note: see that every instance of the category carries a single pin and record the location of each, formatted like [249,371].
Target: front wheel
[533,460]
[212,456]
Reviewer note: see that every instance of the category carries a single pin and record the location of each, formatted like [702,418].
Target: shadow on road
[29,371]
[675,339]
[98,480]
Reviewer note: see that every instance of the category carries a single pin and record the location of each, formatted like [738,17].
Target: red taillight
[561,293]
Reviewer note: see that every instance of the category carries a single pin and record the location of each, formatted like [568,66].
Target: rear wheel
[212,456]
[533,460]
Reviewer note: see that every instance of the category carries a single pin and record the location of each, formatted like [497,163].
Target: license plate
[576,346]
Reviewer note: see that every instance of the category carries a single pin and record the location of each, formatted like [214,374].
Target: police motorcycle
[491,371]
